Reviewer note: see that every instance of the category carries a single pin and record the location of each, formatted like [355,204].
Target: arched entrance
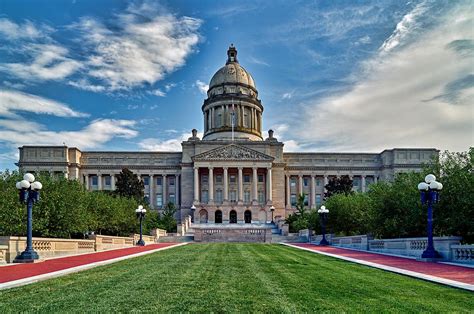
[233,217]
[203,216]
[248,216]
[218,217]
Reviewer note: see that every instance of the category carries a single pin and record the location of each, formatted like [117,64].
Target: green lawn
[235,277]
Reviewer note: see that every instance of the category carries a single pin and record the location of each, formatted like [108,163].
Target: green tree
[338,185]
[128,185]
[299,219]
[167,220]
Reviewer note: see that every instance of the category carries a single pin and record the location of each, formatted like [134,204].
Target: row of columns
[268,189]
[254,121]
[99,181]
[313,187]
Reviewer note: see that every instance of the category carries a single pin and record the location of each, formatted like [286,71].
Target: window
[260,178]
[318,199]
[219,196]
[172,198]
[171,181]
[305,181]
[292,182]
[146,180]
[246,178]
[306,200]
[159,200]
[318,182]
[147,198]
[108,181]
[261,197]
[233,196]
[205,196]
[293,199]
[94,180]
[205,179]
[356,182]
[219,179]
[232,178]
[159,180]
[247,196]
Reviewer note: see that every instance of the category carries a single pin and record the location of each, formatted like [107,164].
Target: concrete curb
[448,282]
[30,280]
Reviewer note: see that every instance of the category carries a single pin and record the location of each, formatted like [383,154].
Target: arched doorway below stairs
[218,217]
[248,216]
[233,217]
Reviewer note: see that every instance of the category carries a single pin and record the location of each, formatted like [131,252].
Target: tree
[128,185]
[338,185]
[299,219]
[167,220]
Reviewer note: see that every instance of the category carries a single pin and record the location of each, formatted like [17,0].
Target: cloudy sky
[332,75]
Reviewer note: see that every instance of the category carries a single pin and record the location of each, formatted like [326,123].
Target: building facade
[233,174]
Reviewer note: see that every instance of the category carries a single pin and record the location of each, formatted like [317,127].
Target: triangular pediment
[232,152]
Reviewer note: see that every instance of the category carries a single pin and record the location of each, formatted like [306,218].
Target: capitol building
[234,173]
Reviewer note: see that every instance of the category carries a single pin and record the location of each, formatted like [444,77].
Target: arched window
[203,216]
[248,216]
[233,217]
[218,217]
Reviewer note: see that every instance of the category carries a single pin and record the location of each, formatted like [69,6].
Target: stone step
[176,239]
[280,238]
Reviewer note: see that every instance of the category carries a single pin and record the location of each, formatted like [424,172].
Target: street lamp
[323,215]
[193,209]
[140,211]
[429,192]
[29,194]
[272,209]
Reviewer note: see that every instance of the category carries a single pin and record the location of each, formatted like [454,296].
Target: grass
[235,278]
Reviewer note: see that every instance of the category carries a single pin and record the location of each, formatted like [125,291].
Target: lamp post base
[324,242]
[26,257]
[431,254]
[140,243]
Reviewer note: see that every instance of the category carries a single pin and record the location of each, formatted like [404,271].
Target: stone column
[211,185]
[226,185]
[152,190]
[300,184]
[86,176]
[375,179]
[254,185]
[165,191]
[176,189]
[112,181]
[241,186]
[269,185]
[288,193]
[313,191]
[196,185]
[99,182]
[326,181]
[363,184]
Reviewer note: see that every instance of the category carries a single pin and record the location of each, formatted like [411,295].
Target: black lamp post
[29,194]
[193,209]
[140,211]
[429,192]
[272,209]
[323,215]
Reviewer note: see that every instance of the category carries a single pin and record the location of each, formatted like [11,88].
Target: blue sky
[332,75]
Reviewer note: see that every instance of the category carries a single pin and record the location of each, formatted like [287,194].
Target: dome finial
[231,54]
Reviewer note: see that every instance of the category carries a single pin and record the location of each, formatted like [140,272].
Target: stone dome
[232,73]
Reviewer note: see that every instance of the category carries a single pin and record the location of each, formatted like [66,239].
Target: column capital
[225,168]
[363,175]
[240,168]
[300,175]
[164,175]
[313,176]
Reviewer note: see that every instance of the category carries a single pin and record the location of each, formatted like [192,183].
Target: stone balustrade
[147,238]
[263,235]
[360,242]
[157,233]
[103,242]
[3,254]
[462,253]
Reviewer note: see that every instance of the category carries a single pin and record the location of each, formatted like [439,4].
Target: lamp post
[29,194]
[323,215]
[429,192]
[272,209]
[193,210]
[140,211]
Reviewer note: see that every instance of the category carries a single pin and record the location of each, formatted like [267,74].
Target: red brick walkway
[21,271]
[457,273]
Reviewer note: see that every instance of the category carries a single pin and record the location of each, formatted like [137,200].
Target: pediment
[232,152]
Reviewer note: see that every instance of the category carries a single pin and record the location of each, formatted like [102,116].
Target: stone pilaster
[196,185]
[211,185]
[313,191]
[226,185]
[269,186]
[254,185]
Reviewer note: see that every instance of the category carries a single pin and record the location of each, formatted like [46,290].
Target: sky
[341,76]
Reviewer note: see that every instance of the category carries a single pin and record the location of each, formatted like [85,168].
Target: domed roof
[232,72]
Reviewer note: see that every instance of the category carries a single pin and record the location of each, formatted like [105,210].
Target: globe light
[25,184]
[143,210]
[440,186]
[29,177]
[18,185]
[434,185]
[36,185]
[140,207]
[423,186]
[138,210]
[429,178]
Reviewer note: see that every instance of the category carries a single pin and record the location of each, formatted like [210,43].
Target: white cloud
[203,87]
[258,61]
[13,31]
[399,100]
[172,144]
[14,101]
[141,46]
[287,95]
[86,85]
[49,63]
[157,92]
[364,40]
[169,86]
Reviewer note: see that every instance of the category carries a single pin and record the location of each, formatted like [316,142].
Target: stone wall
[232,235]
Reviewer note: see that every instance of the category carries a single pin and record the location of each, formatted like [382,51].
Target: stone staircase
[176,239]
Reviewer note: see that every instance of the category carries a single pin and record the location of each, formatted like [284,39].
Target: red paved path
[451,272]
[20,271]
